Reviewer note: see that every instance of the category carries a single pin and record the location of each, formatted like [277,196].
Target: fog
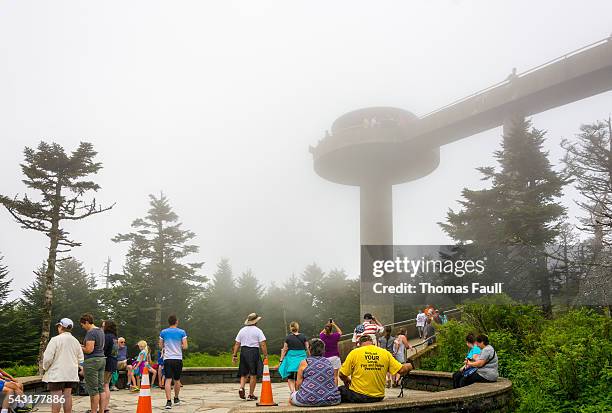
[216,104]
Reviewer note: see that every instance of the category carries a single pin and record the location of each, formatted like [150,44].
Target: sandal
[241,394]
[252,397]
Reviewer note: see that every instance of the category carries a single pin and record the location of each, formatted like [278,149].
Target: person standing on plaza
[295,349]
[61,361]
[111,350]
[251,342]
[330,339]
[173,341]
[94,363]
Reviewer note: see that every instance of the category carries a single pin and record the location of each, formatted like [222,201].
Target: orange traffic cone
[144,398]
[265,398]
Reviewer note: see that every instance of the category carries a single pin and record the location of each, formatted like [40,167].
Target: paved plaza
[213,398]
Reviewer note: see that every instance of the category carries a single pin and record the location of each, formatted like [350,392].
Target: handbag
[471,370]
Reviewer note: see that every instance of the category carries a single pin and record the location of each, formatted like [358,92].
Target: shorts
[250,362]
[173,369]
[335,362]
[94,375]
[62,385]
[122,365]
[108,376]
[349,396]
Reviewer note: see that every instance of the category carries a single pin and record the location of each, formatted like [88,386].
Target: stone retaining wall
[439,398]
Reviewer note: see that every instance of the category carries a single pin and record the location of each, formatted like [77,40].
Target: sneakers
[241,394]
[252,397]
[168,405]
[177,401]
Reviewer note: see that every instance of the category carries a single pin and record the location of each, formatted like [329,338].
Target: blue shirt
[473,351]
[173,343]
[122,353]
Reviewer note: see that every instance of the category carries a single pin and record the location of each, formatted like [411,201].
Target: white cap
[65,322]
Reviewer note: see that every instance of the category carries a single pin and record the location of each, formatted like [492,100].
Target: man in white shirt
[420,322]
[249,340]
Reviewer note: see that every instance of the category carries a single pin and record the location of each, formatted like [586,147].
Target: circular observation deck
[370,145]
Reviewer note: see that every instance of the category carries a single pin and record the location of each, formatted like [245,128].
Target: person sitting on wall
[364,372]
[315,379]
[487,364]
[472,355]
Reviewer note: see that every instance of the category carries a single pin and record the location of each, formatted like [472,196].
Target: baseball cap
[65,322]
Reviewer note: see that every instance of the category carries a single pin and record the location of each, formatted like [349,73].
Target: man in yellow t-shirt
[364,372]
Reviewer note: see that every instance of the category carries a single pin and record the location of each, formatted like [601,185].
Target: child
[143,360]
[160,368]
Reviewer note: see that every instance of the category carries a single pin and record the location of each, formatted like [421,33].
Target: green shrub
[451,349]
[488,314]
[20,370]
[570,368]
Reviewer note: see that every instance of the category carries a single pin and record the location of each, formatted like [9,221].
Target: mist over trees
[523,229]
[520,208]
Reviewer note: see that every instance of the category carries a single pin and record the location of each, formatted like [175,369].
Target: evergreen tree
[75,292]
[59,179]
[128,302]
[520,209]
[249,293]
[312,279]
[589,161]
[158,248]
[217,306]
[339,300]
[5,283]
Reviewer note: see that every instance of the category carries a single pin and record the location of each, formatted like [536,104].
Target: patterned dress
[318,387]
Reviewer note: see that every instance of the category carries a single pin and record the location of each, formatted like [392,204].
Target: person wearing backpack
[111,351]
[487,364]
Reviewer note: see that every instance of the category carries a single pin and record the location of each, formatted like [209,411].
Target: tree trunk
[158,309]
[54,235]
[545,286]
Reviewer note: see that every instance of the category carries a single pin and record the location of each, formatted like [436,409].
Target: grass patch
[221,360]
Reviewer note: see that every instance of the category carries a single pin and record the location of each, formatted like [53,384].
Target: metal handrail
[452,310]
[526,72]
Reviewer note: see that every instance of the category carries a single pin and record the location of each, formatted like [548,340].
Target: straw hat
[252,319]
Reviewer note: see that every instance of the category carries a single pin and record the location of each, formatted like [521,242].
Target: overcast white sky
[216,103]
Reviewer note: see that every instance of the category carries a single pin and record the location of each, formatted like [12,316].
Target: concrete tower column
[376,214]
[376,228]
